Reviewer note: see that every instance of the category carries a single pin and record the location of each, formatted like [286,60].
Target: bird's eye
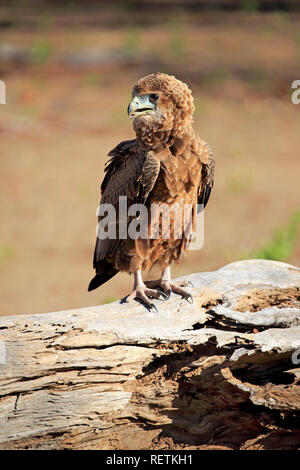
[153,97]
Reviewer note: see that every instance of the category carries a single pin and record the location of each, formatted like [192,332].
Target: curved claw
[154,306]
[190,297]
[170,292]
[163,294]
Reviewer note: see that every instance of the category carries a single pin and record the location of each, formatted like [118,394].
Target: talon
[154,306]
[127,299]
[163,294]
[165,287]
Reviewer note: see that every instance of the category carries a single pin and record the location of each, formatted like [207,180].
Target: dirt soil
[257,299]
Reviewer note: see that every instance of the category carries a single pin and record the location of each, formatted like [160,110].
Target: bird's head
[161,105]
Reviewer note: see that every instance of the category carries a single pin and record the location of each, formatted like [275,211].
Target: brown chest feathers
[174,192]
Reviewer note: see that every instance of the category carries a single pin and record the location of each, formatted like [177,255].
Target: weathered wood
[221,373]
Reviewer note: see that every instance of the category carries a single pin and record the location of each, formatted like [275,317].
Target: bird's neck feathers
[155,137]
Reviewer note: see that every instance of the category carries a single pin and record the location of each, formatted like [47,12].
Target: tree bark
[222,373]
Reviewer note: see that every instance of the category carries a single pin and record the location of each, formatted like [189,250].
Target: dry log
[222,373]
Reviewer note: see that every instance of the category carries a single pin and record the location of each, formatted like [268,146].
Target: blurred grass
[177,42]
[110,300]
[6,253]
[219,76]
[250,5]
[281,244]
[46,23]
[131,40]
[91,79]
[41,51]
[201,105]
[240,181]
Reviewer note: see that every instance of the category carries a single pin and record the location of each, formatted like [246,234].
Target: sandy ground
[59,124]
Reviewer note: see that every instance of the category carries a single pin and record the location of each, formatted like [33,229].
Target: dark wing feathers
[207,175]
[147,176]
[129,172]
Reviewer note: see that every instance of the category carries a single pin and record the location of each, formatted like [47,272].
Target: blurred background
[69,68]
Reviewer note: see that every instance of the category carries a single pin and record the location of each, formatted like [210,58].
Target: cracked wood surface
[217,374]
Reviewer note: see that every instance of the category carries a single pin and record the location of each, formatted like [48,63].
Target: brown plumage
[167,163]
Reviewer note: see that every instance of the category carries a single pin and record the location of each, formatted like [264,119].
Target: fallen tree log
[222,373]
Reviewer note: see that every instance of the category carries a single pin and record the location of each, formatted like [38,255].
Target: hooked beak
[140,104]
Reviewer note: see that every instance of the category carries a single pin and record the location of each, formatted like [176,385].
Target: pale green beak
[140,104]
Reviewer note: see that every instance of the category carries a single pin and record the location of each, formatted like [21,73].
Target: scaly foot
[142,292]
[168,286]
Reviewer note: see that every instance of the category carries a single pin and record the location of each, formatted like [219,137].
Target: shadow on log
[222,373]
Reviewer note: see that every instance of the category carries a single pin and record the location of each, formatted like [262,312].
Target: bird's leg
[166,284]
[141,291]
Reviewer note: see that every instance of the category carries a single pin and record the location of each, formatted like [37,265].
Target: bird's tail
[108,272]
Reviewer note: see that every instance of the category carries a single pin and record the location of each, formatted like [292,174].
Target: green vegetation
[250,5]
[46,23]
[110,300]
[40,51]
[177,45]
[266,31]
[220,75]
[297,43]
[92,79]
[201,105]
[281,244]
[240,181]
[258,76]
[131,40]
[6,253]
